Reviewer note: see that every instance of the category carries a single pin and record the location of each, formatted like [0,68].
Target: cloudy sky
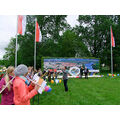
[8,29]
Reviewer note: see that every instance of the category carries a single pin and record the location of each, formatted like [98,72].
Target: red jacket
[22,92]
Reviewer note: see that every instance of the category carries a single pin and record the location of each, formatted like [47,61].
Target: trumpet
[44,74]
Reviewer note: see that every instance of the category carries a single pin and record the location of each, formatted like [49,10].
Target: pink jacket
[22,92]
[7,96]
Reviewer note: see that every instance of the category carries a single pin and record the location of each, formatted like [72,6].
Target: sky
[8,25]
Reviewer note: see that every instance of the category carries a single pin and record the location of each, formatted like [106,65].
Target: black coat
[81,71]
[86,71]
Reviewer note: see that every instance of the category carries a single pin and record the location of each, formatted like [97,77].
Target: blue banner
[58,63]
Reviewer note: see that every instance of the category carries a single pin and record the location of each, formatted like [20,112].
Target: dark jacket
[81,70]
[86,71]
[65,76]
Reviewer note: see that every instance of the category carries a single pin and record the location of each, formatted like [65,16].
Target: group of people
[85,71]
[17,86]
[52,74]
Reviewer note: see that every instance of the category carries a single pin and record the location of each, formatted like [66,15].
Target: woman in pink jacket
[7,94]
[22,92]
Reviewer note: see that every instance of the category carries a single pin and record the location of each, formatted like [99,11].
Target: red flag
[112,38]
[38,33]
[21,24]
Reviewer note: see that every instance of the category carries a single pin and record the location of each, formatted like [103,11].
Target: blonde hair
[9,70]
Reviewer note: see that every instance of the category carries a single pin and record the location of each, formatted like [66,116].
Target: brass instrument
[44,74]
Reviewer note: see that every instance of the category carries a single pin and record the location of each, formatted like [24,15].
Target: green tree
[10,53]
[50,27]
[72,46]
[94,30]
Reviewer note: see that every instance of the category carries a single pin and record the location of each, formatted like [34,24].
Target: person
[65,78]
[29,75]
[7,94]
[1,75]
[86,71]
[49,75]
[52,73]
[22,92]
[44,73]
[30,72]
[35,71]
[81,72]
[55,73]
[39,72]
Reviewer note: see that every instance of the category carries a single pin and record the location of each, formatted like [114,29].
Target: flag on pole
[38,33]
[112,38]
[21,24]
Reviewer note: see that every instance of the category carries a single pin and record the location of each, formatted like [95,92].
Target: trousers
[65,84]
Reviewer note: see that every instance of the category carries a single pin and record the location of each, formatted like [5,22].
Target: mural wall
[59,63]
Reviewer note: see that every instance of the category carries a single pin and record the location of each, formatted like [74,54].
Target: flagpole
[111,54]
[35,46]
[16,44]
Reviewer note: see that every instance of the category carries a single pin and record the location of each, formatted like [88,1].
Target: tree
[94,30]
[50,27]
[72,46]
[10,53]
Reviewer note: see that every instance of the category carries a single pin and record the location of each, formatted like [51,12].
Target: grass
[92,91]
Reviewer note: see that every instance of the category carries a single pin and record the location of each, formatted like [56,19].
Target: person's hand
[33,84]
[11,82]
[3,86]
[37,87]
[40,81]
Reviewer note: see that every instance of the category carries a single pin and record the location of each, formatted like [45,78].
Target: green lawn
[92,91]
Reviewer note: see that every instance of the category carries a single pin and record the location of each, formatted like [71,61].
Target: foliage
[91,38]
[58,40]
[72,46]
[94,31]
[8,58]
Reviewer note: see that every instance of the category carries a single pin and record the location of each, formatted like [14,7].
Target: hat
[21,70]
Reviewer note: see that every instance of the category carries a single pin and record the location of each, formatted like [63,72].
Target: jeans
[65,84]
[86,75]
[81,74]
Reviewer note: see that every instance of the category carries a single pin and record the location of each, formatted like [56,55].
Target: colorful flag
[21,24]
[112,38]
[38,33]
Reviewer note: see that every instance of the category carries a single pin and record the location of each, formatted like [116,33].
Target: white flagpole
[16,44]
[35,47]
[111,53]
